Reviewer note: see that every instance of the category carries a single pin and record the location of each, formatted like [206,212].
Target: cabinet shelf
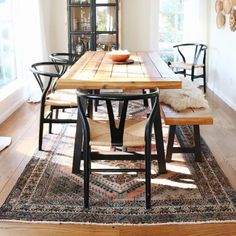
[78,5]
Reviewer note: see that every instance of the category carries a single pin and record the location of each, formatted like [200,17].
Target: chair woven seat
[133,133]
[59,98]
[185,66]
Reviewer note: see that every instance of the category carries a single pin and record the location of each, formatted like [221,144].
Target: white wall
[139,25]
[55,13]
[222,59]
[12,96]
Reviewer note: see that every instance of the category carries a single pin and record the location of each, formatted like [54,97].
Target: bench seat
[191,116]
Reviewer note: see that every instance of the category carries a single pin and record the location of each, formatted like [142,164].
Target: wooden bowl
[119,55]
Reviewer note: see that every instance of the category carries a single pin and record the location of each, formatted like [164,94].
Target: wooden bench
[194,117]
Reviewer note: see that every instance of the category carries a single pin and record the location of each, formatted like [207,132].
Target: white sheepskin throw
[188,97]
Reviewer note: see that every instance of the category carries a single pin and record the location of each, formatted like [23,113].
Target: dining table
[96,71]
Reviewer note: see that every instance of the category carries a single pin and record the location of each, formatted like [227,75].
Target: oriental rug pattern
[189,192]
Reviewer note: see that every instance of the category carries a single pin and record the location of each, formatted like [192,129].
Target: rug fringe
[116,224]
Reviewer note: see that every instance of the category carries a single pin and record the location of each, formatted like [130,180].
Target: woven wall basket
[218,6]
[220,20]
[232,20]
[227,5]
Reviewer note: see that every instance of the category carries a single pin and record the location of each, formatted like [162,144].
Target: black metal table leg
[170,144]
[198,155]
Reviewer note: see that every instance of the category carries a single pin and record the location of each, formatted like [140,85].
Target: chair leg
[77,156]
[41,127]
[145,101]
[204,79]
[192,74]
[57,113]
[170,143]
[120,106]
[198,155]
[148,174]
[96,102]
[87,165]
[50,124]
[90,109]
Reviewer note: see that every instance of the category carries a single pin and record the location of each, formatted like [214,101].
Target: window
[171,24]
[7,53]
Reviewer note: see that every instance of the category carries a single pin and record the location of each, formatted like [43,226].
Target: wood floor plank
[9,229]
[221,136]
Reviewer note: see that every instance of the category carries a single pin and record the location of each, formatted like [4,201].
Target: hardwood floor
[221,137]
[22,126]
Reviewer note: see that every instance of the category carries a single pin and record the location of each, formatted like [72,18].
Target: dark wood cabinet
[92,25]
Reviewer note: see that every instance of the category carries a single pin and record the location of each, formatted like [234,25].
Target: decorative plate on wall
[227,5]
[220,20]
[232,20]
[218,6]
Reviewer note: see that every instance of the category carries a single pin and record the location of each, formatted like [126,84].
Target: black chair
[70,59]
[47,74]
[117,133]
[193,58]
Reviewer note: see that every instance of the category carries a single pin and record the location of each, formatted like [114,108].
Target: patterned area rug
[189,192]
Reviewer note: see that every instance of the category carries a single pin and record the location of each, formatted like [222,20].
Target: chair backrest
[46,74]
[117,131]
[192,53]
[69,58]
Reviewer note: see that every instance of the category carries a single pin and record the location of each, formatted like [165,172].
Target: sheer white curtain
[30,42]
[195,21]
[7,49]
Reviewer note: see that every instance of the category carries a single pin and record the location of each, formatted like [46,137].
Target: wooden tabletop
[94,70]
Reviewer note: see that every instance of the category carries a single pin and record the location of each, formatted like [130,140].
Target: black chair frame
[117,136]
[51,82]
[70,59]
[199,49]
[67,58]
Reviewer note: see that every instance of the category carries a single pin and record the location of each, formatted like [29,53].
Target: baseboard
[12,97]
[11,110]
[222,96]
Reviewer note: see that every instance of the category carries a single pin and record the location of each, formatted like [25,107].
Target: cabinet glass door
[105,1]
[80,1]
[7,46]
[81,43]
[81,19]
[106,18]
[105,42]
